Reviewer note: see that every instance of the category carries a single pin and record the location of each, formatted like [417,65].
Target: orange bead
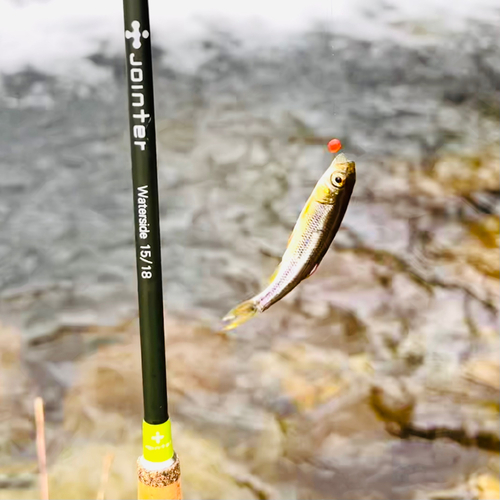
[334,145]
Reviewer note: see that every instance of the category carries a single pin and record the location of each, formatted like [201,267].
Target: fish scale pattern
[301,256]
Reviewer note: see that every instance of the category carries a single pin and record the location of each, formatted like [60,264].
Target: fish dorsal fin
[307,207]
[299,225]
[275,273]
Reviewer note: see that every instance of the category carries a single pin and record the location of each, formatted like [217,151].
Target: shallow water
[241,143]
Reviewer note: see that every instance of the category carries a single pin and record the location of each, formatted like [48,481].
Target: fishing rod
[158,467]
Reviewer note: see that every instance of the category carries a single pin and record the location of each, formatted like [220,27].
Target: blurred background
[377,378]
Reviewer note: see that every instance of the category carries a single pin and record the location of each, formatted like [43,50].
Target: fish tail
[240,314]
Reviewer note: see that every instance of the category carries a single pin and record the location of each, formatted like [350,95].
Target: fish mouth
[341,158]
[342,164]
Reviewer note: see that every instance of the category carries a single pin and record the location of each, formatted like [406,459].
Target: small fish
[312,235]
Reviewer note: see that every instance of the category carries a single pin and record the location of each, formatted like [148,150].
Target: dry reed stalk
[106,467]
[41,449]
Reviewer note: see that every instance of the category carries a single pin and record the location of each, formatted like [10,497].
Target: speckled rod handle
[159,480]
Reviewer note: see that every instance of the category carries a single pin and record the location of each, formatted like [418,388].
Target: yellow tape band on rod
[157,442]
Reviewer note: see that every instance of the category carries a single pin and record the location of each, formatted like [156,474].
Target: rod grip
[159,480]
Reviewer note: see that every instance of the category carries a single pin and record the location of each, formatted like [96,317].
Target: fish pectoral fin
[312,271]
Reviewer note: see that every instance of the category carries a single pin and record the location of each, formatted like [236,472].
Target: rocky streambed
[377,378]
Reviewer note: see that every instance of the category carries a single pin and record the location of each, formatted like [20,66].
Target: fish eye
[337,180]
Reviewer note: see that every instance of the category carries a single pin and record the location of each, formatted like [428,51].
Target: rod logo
[140,119]
[161,449]
[136,34]
[158,437]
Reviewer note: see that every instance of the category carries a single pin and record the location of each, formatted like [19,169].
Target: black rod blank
[146,213]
